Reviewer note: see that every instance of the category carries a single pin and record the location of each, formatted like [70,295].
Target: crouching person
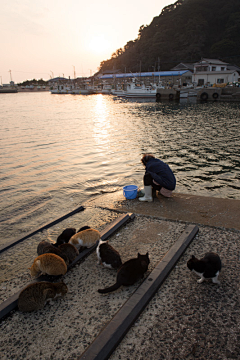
[158,176]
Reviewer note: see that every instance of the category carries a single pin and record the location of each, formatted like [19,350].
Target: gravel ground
[187,320]
[184,320]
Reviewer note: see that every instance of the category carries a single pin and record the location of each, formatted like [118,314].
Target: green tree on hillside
[184,32]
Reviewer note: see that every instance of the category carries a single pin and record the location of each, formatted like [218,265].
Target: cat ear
[138,254]
[193,257]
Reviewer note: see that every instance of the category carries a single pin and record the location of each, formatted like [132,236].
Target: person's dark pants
[148,180]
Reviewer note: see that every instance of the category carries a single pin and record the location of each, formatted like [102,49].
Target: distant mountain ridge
[185,31]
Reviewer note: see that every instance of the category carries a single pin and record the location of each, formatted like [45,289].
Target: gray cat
[34,296]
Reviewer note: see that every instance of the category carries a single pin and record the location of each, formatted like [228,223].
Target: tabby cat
[85,238]
[129,273]
[34,296]
[208,267]
[107,255]
[49,264]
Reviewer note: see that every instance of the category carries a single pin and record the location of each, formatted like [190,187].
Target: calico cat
[85,238]
[50,264]
[70,251]
[65,236]
[129,273]
[45,247]
[207,268]
[34,296]
[107,255]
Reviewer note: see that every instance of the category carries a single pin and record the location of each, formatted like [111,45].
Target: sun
[98,44]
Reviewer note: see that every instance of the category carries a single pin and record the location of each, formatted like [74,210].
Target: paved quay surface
[184,320]
[180,207]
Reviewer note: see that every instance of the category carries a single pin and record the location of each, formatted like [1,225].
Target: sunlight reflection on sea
[58,150]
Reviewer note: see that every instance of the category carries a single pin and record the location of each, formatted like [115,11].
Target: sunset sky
[43,38]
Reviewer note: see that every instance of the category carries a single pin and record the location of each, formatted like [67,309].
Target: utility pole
[10,75]
[74,73]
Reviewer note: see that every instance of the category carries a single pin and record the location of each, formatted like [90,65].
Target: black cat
[69,250]
[107,255]
[129,273]
[65,236]
[84,228]
[208,267]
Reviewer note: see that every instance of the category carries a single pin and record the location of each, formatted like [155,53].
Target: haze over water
[58,150]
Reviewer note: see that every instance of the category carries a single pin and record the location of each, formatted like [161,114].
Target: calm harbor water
[58,150]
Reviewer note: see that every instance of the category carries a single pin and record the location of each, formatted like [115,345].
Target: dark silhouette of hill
[185,31]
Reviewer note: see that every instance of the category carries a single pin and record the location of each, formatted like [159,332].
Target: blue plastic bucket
[130,191]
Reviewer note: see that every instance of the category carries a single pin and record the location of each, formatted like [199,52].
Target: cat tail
[109,289]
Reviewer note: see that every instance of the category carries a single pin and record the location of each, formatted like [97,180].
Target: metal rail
[46,226]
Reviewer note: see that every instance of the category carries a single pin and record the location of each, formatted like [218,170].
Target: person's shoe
[148,194]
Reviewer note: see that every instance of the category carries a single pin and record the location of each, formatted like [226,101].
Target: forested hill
[184,32]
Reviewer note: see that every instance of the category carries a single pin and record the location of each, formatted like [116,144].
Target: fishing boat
[103,89]
[6,90]
[188,90]
[118,91]
[70,89]
[135,89]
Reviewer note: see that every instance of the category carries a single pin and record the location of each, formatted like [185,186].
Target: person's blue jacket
[161,173]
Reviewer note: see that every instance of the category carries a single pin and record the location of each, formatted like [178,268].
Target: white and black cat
[129,273]
[208,267]
[107,255]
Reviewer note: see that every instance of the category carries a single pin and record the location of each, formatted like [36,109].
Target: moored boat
[70,89]
[135,89]
[6,90]
[118,91]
